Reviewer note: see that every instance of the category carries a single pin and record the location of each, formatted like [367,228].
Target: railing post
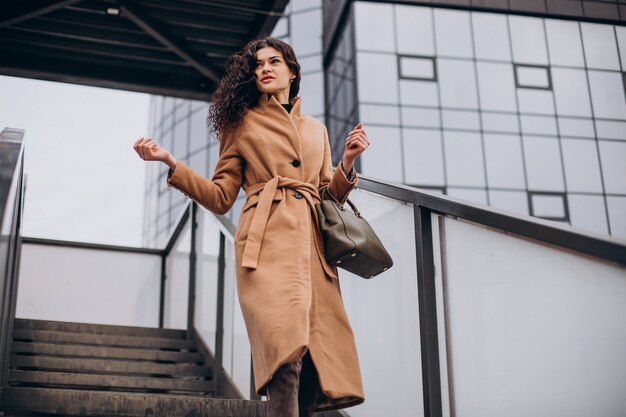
[429,338]
[219,321]
[162,290]
[191,299]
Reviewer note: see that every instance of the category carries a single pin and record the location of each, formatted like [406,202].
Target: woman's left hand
[356,143]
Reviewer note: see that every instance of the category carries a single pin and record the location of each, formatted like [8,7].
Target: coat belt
[266,192]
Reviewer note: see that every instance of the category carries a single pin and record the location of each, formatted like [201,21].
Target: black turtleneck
[287,107]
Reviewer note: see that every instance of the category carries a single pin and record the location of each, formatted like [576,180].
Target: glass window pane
[414,30]
[374,26]
[607,94]
[453,35]
[528,39]
[377,77]
[544,205]
[548,206]
[198,161]
[491,36]
[387,115]
[199,131]
[382,158]
[539,125]
[496,122]
[311,64]
[611,130]
[282,28]
[457,83]
[419,93]
[514,201]
[617,215]
[576,127]
[213,157]
[415,67]
[600,47]
[497,86]
[582,166]
[297,5]
[181,138]
[308,38]
[587,212]
[423,157]
[464,159]
[543,164]
[535,101]
[182,110]
[613,160]
[312,87]
[412,116]
[460,119]
[505,168]
[571,92]
[197,105]
[471,195]
[564,43]
[532,76]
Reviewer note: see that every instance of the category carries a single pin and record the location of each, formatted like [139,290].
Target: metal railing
[425,206]
[11,203]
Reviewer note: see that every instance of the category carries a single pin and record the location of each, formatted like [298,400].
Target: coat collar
[268,104]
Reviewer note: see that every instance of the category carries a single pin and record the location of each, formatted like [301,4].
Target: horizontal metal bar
[604,247]
[96,246]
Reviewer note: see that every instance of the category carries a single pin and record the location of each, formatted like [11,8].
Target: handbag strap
[331,197]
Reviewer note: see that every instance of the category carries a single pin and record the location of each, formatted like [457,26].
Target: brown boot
[309,387]
[282,391]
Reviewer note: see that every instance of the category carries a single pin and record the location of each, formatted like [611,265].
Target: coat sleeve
[219,193]
[336,181]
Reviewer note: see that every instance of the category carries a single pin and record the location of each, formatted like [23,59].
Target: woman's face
[272,74]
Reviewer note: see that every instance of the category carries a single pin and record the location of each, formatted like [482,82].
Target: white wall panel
[90,286]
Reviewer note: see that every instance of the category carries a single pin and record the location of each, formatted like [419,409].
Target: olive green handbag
[350,242]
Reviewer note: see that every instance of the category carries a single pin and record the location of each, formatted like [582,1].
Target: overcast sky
[84,182]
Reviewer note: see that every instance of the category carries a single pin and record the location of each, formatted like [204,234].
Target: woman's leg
[309,387]
[282,391]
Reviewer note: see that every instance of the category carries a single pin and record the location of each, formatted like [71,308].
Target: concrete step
[53,336]
[96,381]
[87,403]
[72,350]
[108,366]
[87,328]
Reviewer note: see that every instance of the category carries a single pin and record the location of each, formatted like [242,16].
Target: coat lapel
[286,124]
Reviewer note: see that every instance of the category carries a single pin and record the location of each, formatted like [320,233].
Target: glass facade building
[523,113]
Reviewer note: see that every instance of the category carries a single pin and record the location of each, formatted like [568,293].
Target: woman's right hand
[149,150]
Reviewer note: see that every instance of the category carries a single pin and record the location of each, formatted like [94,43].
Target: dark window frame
[534,87]
[563,195]
[408,77]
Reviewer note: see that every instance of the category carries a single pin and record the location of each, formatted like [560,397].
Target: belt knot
[266,192]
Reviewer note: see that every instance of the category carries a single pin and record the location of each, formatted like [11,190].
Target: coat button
[298,195]
[295,163]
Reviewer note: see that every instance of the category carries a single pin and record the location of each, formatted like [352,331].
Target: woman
[303,350]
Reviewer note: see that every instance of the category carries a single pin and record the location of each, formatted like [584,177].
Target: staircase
[75,369]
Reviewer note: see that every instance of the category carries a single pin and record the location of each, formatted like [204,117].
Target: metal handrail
[87,245]
[601,246]
[11,206]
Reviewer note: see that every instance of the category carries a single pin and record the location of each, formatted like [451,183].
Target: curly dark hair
[237,92]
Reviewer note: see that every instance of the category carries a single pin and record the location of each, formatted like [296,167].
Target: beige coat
[289,295]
